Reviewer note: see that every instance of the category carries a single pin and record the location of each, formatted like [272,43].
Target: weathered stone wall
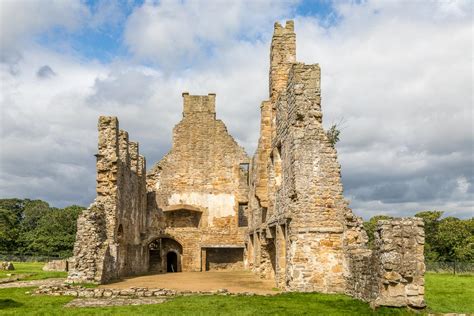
[56,265]
[196,189]
[192,209]
[399,261]
[108,241]
[301,231]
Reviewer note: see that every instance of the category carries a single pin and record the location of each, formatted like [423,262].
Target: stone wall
[108,241]
[196,189]
[56,265]
[191,210]
[302,233]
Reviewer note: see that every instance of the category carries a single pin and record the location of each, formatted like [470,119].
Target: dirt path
[233,281]
[51,282]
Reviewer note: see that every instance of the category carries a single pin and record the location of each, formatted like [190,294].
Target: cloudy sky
[397,75]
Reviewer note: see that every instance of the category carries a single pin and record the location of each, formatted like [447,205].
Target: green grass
[447,293]
[15,302]
[444,293]
[31,271]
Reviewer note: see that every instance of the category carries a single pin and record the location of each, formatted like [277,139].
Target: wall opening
[160,258]
[264,214]
[243,219]
[183,218]
[224,259]
[171,262]
[244,172]
[154,256]
[276,164]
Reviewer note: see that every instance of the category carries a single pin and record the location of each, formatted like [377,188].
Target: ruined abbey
[207,205]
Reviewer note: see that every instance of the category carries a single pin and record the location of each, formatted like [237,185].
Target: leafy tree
[431,220]
[11,211]
[32,227]
[455,239]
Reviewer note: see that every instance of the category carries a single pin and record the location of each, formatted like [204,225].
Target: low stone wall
[80,291]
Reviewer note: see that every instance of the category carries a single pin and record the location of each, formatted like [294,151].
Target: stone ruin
[207,205]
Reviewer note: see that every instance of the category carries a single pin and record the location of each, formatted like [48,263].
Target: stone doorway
[171,262]
[164,255]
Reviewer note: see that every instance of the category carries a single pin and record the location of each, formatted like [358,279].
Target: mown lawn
[16,302]
[444,293]
[447,293]
[31,271]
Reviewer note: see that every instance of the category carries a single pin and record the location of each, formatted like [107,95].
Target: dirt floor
[233,281]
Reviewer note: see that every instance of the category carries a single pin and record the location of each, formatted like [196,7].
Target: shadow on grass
[9,303]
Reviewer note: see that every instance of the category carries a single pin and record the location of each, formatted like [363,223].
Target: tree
[431,220]
[455,239]
[11,211]
[32,227]
[333,134]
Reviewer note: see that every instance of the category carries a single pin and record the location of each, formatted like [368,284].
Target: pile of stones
[7,266]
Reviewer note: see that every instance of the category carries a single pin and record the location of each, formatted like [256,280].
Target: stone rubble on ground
[6,265]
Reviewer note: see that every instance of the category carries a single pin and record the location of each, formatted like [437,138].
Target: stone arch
[159,249]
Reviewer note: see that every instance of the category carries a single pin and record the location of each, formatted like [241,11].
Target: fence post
[454,267]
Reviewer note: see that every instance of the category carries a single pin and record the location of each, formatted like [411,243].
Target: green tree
[11,211]
[333,134]
[455,239]
[32,227]
[431,220]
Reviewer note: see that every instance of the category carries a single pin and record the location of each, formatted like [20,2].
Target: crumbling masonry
[208,206]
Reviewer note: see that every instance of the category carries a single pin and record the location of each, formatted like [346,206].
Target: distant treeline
[33,228]
[446,239]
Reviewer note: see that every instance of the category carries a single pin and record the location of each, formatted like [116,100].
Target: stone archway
[164,255]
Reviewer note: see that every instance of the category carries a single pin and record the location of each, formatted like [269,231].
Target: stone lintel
[179,207]
[222,246]
[334,230]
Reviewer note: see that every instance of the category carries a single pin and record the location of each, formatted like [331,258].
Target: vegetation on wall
[32,227]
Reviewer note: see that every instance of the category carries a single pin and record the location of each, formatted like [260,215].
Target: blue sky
[396,73]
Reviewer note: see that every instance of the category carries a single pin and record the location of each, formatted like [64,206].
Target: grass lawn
[16,302]
[447,293]
[444,293]
[33,269]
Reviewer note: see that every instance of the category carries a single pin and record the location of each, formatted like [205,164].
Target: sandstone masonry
[208,206]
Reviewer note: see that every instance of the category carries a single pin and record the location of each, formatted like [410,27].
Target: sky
[397,76]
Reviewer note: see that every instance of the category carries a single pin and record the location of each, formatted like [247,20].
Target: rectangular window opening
[243,219]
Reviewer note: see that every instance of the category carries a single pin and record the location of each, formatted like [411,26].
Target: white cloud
[20,20]
[174,33]
[398,73]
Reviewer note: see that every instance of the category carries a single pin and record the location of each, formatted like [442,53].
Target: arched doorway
[171,262]
[164,255]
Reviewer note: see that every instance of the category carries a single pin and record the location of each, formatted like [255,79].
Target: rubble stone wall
[202,174]
[302,233]
[193,207]
[108,241]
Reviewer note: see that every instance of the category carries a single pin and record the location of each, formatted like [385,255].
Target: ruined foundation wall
[108,241]
[201,177]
